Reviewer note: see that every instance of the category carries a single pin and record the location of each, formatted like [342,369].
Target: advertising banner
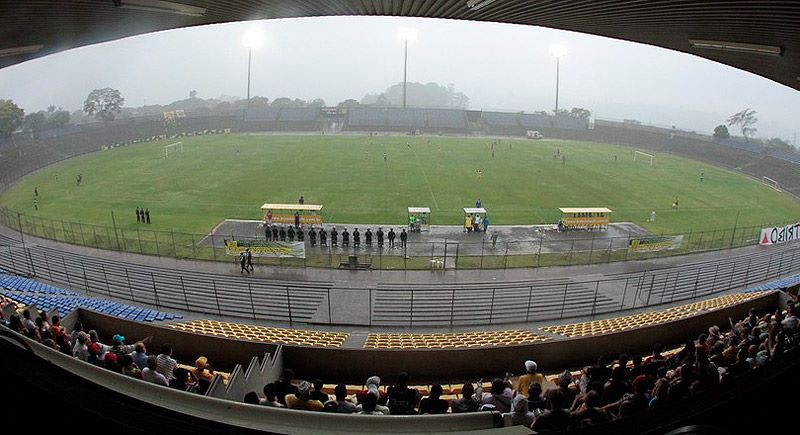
[778,235]
[652,244]
[262,248]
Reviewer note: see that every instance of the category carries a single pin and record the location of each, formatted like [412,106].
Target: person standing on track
[368,237]
[403,238]
[380,237]
[243,263]
[249,256]
[391,237]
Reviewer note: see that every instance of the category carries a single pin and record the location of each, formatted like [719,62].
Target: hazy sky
[498,66]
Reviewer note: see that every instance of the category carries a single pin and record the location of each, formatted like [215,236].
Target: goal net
[771,183]
[643,157]
[173,148]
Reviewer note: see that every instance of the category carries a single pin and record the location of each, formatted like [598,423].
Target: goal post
[771,183]
[173,148]
[644,156]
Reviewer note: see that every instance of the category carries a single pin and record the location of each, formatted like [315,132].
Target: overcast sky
[499,66]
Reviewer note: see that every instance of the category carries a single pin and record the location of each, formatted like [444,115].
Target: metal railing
[478,253]
[393,304]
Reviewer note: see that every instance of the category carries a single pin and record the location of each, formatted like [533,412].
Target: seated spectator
[656,357]
[166,365]
[139,355]
[615,387]
[467,402]
[202,370]
[93,352]
[251,398]
[270,394]
[119,347]
[373,387]
[63,343]
[679,389]
[110,363]
[302,399]
[567,386]
[341,405]
[537,403]
[519,416]
[500,396]
[182,380]
[151,374]
[317,393]
[636,368]
[529,377]
[631,404]
[556,418]
[129,368]
[284,386]
[401,399]
[589,413]
[433,404]
[660,391]
[369,405]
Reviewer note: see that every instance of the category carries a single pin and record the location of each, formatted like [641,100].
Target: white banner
[777,235]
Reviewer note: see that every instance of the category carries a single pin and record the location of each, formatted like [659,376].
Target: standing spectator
[519,415]
[166,365]
[147,215]
[267,232]
[323,237]
[151,373]
[341,405]
[478,203]
[391,237]
[141,215]
[297,219]
[402,399]
[403,238]
[282,234]
[334,237]
[433,404]
[356,238]
[302,400]
[485,223]
[379,234]
[290,233]
[243,263]
[269,217]
[467,402]
[530,376]
[368,237]
[302,200]
[274,233]
[55,328]
[345,238]
[249,256]
[138,216]
[81,348]
[301,237]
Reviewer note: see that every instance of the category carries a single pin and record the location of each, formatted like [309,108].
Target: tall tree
[721,132]
[349,103]
[420,95]
[11,117]
[103,104]
[745,121]
[580,113]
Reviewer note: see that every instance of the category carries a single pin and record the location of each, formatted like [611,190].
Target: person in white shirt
[166,365]
[151,374]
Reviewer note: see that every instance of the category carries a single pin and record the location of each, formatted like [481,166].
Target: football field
[371,180]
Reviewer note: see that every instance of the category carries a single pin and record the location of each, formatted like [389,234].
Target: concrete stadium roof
[770,31]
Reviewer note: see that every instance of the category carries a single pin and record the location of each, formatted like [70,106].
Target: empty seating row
[776,285]
[19,283]
[67,304]
[650,318]
[452,340]
[263,333]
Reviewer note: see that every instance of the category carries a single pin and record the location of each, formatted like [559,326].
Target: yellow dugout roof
[585,210]
[293,207]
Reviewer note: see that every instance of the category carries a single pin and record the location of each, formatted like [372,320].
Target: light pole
[406,34]
[251,40]
[557,51]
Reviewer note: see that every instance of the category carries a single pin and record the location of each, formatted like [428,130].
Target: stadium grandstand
[703,343]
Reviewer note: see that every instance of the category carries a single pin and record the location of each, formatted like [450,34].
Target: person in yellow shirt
[524,382]
[302,400]
[467,224]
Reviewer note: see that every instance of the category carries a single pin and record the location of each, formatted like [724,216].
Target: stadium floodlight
[161,6]
[557,51]
[478,4]
[406,34]
[16,51]
[253,39]
[769,50]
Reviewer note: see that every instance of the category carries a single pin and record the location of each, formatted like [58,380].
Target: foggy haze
[498,66]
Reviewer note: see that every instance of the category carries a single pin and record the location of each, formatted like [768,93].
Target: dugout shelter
[310,214]
[587,218]
[419,219]
[476,215]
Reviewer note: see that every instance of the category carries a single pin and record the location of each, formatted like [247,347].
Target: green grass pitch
[230,176]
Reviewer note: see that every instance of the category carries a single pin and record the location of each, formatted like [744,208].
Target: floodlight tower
[557,51]
[253,39]
[406,34]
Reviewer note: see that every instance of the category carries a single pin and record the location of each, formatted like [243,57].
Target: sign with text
[262,248]
[778,235]
[652,244]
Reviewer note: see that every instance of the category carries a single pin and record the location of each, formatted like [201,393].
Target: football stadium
[262,265]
